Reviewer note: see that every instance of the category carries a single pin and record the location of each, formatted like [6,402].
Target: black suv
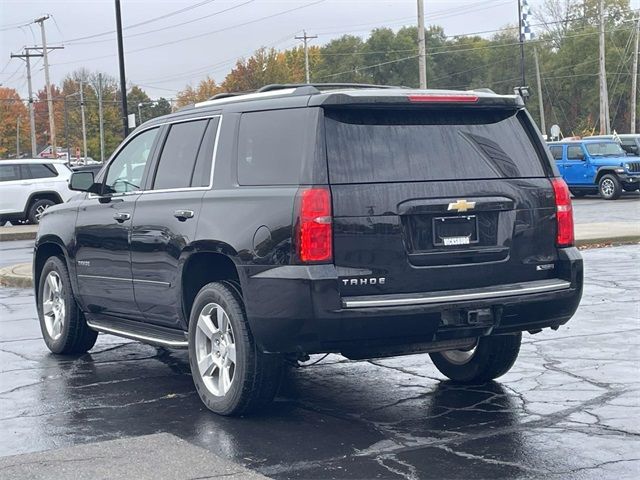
[306,219]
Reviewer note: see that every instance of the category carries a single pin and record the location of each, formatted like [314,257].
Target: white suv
[29,187]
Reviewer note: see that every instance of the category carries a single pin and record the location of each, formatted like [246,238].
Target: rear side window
[556,152]
[202,171]
[273,145]
[179,154]
[428,144]
[38,170]
[9,172]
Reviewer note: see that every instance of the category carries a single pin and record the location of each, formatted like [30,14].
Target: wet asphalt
[569,409]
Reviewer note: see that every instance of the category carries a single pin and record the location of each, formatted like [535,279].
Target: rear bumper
[299,309]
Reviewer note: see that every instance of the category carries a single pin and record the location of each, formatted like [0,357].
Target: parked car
[306,219]
[596,166]
[48,153]
[630,142]
[29,187]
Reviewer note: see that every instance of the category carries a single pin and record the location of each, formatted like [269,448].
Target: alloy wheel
[215,349]
[607,187]
[459,357]
[40,210]
[53,307]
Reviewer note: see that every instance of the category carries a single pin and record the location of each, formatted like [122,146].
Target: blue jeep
[596,166]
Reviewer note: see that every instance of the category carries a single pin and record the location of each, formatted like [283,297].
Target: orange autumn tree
[12,112]
[206,89]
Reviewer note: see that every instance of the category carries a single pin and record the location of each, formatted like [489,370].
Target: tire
[63,325]
[37,209]
[609,187]
[492,357]
[226,385]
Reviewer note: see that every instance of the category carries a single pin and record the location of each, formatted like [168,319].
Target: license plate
[456,241]
[458,230]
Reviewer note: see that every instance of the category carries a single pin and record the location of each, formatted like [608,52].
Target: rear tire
[492,357]
[64,328]
[609,187]
[231,374]
[37,209]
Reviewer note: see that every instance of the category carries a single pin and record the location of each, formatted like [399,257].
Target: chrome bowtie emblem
[461,206]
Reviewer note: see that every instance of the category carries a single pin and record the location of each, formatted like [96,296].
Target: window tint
[178,157]
[428,144]
[38,170]
[575,152]
[126,170]
[202,171]
[9,172]
[272,146]
[556,152]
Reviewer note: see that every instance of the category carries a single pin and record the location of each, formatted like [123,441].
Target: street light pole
[84,125]
[123,81]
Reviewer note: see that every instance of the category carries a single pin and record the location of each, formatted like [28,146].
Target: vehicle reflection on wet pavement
[570,408]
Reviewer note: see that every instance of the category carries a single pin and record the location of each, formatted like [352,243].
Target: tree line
[566,42]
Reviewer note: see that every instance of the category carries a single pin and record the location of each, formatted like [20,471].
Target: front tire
[232,376]
[37,209]
[491,358]
[609,187]
[64,328]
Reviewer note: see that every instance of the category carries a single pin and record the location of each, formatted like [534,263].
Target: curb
[15,276]
[7,236]
[20,276]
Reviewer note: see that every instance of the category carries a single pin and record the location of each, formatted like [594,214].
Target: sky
[169,44]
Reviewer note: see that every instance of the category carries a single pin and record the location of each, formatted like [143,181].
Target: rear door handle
[183,215]
[121,216]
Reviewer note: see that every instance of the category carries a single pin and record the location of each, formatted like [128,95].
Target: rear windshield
[417,145]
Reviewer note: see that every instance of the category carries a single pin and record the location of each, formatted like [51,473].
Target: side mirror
[83,182]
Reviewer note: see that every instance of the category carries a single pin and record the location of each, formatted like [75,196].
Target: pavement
[568,410]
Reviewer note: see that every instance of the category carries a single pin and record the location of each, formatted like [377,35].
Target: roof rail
[321,86]
[225,95]
[484,90]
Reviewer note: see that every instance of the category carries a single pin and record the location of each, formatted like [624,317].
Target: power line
[161,17]
[184,39]
[169,26]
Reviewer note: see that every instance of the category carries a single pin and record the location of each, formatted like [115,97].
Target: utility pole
[52,124]
[422,46]
[18,137]
[32,119]
[123,81]
[305,38]
[634,82]
[84,125]
[100,117]
[605,126]
[540,102]
[521,37]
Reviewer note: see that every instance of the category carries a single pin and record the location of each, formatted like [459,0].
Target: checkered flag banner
[525,29]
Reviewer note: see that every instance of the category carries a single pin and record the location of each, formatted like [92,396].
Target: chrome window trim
[182,189]
[455,297]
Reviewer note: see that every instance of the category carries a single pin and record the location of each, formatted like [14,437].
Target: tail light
[564,213]
[443,98]
[315,230]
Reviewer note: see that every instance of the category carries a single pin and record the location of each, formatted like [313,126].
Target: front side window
[127,169]
[39,170]
[9,172]
[575,153]
[605,149]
